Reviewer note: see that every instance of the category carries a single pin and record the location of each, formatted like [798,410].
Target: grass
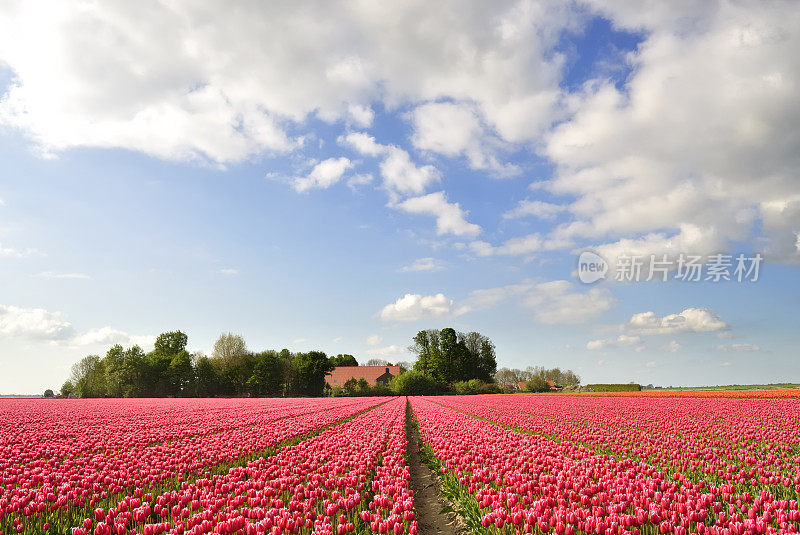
[723,388]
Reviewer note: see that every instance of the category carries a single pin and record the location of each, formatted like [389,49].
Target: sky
[341,176]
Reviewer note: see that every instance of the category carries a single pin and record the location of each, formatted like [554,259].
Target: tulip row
[56,492]
[748,443]
[351,478]
[58,429]
[510,482]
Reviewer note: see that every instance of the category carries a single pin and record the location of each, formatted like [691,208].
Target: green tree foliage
[557,375]
[267,377]
[413,383]
[49,393]
[343,360]
[448,357]
[537,384]
[312,367]
[67,389]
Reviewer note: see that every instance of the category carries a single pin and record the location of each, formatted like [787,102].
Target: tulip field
[507,464]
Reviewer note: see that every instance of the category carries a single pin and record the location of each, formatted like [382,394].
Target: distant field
[776,386]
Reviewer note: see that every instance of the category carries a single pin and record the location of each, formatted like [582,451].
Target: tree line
[447,361]
[169,370]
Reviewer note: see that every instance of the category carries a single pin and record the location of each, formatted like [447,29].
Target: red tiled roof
[341,374]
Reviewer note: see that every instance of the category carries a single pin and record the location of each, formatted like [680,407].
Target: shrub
[537,384]
[412,383]
[473,386]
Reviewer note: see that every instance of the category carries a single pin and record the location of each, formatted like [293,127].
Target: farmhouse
[373,374]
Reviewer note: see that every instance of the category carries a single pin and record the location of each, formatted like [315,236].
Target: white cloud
[363,144]
[455,129]
[701,136]
[651,364]
[691,320]
[554,302]
[34,323]
[673,347]
[621,341]
[359,180]
[542,210]
[423,264]
[401,174]
[10,252]
[384,352]
[60,275]
[187,88]
[324,174]
[741,347]
[228,272]
[558,302]
[374,339]
[106,336]
[415,307]
[520,246]
[337,339]
[449,216]
[299,340]
[361,115]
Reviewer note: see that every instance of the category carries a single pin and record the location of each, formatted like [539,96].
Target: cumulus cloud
[673,347]
[415,307]
[699,145]
[374,339]
[450,218]
[455,129]
[559,302]
[33,323]
[324,174]
[356,181]
[423,264]
[554,302]
[691,320]
[187,88]
[401,174]
[520,246]
[540,209]
[106,336]
[620,341]
[363,143]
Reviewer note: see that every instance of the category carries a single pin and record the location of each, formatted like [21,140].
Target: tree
[89,377]
[267,376]
[171,343]
[378,362]
[49,393]
[344,360]
[312,367]
[204,377]
[229,347]
[413,383]
[67,389]
[181,373]
[537,384]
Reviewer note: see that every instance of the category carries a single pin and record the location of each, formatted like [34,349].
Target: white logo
[591,267]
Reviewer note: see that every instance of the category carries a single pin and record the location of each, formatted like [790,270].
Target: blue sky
[340,186]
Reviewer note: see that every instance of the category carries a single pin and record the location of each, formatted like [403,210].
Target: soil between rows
[428,501]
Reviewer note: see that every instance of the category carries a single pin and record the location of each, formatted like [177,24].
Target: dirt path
[427,498]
